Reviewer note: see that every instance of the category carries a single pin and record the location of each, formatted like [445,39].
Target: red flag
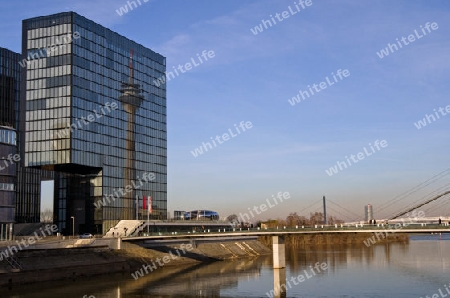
[150,201]
[144,203]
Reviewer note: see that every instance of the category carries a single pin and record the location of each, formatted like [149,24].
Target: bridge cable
[415,188]
[439,206]
[412,190]
[357,215]
[345,217]
[420,205]
[305,208]
[434,192]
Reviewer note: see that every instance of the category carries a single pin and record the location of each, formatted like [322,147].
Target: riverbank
[81,262]
[375,271]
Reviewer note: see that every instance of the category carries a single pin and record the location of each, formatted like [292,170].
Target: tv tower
[131,100]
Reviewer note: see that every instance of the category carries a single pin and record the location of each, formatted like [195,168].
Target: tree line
[292,220]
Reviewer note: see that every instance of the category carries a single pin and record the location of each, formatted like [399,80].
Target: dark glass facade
[28,196]
[10,77]
[81,125]
[20,187]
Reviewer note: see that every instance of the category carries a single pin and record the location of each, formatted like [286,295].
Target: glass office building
[20,187]
[9,120]
[95,117]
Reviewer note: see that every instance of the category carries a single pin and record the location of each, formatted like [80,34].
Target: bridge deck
[287,232]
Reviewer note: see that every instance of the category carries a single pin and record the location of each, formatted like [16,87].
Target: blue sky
[252,77]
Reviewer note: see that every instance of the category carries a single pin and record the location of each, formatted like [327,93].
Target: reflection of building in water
[412,261]
[131,99]
[200,281]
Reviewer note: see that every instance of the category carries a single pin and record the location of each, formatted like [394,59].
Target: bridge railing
[316,228]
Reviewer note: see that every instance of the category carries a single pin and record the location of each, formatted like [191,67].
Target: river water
[415,269]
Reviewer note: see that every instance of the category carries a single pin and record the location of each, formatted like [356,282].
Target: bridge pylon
[279,252]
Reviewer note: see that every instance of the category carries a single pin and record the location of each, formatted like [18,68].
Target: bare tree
[293,219]
[281,222]
[303,221]
[334,220]
[47,216]
[316,218]
[233,219]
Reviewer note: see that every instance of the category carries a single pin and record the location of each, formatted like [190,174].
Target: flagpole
[137,207]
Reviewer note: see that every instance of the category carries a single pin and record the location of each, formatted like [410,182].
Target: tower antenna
[131,67]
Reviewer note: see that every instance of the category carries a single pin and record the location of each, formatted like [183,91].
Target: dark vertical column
[324,211]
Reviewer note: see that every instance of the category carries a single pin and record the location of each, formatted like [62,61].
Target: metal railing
[316,228]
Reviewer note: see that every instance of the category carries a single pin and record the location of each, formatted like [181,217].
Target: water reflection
[182,281]
[203,280]
[397,269]
[279,283]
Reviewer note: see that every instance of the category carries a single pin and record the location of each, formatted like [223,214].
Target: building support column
[279,259]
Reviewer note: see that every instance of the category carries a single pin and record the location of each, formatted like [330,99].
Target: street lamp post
[150,205]
[73,226]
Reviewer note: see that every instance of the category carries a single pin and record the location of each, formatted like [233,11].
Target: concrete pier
[279,258]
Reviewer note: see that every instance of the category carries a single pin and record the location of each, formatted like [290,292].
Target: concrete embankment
[38,265]
[55,264]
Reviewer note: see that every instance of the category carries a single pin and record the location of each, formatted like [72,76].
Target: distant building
[178,215]
[368,212]
[201,214]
